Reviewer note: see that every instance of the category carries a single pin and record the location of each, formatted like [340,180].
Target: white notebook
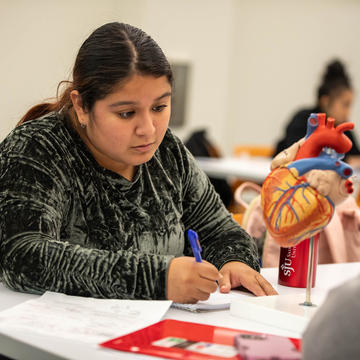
[217,301]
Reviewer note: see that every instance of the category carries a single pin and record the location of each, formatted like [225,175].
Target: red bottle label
[294,263]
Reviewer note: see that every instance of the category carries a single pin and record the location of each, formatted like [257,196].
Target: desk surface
[248,168]
[22,345]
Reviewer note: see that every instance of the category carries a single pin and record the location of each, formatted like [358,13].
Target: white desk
[23,345]
[248,168]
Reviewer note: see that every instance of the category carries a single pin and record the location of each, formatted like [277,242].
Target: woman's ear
[82,115]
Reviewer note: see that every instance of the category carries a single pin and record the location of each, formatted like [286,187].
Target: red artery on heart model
[292,209]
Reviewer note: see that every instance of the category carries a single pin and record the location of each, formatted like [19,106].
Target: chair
[254,150]
[199,145]
[247,196]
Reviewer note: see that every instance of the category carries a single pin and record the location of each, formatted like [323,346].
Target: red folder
[175,339]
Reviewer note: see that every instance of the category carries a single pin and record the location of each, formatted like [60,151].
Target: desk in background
[31,346]
[247,168]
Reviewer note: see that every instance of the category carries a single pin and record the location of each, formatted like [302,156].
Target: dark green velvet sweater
[69,225]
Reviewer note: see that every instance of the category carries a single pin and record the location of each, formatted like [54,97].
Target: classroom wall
[253,62]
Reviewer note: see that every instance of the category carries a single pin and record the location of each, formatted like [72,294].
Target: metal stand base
[310,271]
[305,303]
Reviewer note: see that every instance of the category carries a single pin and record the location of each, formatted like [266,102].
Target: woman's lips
[144,147]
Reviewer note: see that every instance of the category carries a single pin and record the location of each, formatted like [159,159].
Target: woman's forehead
[140,87]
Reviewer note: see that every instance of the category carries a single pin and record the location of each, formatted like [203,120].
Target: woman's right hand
[189,281]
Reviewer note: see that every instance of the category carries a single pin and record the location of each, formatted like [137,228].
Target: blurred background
[250,64]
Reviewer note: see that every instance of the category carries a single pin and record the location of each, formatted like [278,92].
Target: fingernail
[223,287]
[220,276]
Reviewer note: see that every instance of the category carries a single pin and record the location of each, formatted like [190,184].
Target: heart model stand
[307,215]
[310,273]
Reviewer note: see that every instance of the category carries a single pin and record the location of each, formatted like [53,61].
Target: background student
[335,98]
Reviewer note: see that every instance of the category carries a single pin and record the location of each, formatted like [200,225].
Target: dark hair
[111,54]
[335,80]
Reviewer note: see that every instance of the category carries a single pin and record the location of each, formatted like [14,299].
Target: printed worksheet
[84,319]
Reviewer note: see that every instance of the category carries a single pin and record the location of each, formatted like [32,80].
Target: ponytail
[39,110]
[335,79]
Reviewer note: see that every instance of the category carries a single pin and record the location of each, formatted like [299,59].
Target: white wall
[39,41]
[254,62]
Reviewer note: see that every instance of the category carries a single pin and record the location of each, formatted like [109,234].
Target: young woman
[335,97]
[96,193]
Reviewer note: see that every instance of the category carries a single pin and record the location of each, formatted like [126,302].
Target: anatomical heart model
[293,209]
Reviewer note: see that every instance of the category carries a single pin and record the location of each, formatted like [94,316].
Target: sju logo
[286,268]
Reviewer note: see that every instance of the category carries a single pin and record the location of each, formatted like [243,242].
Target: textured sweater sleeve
[34,199]
[221,238]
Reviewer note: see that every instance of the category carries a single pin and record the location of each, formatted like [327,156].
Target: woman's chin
[143,158]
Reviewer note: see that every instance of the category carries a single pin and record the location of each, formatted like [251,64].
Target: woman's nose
[145,126]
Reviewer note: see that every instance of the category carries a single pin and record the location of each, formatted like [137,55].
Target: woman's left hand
[236,273]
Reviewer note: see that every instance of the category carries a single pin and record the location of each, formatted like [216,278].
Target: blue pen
[195,245]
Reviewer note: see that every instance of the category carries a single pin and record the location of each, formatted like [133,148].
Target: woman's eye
[126,114]
[159,108]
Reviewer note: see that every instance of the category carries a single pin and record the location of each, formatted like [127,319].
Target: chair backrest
[254,150]
[248,196]
[244,194]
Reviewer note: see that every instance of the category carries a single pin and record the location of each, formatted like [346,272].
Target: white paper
[83,319]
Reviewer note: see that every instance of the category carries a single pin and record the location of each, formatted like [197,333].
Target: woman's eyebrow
[119,103]
[168,93]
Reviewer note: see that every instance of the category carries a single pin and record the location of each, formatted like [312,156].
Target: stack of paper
[84,319]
